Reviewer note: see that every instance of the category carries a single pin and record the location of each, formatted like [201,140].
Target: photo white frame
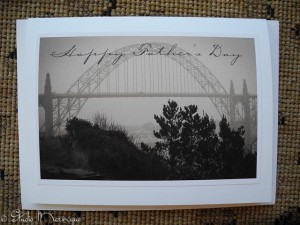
[125,195]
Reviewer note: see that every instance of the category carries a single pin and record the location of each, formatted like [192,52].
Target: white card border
[40,196]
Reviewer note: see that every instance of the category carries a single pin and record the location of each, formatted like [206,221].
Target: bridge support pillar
[247,119]
[232,106]
[48,107]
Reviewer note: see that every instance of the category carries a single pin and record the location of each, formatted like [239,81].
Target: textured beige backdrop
[287,207]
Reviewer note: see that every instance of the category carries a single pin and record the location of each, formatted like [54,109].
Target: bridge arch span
[92,78]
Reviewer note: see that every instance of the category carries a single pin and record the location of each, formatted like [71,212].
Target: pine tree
[188,140]
[170,126]
[193,148]
[199,141]
[231,149]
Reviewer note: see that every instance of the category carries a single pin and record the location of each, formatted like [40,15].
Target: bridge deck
[128,95]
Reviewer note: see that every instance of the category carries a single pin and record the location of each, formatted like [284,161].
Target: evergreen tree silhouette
[193,148]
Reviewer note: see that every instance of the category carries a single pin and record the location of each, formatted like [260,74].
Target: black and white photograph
[147,108]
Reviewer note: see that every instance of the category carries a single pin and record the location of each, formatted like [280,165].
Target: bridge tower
[245,100]
[232,105]
[48,107]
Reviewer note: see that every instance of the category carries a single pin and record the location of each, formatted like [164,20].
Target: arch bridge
[148,75]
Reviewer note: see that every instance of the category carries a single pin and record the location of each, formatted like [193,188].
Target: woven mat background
[287,207]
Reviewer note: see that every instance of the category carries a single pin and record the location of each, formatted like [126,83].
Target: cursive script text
[72,52]
[219,52]
[147,49]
